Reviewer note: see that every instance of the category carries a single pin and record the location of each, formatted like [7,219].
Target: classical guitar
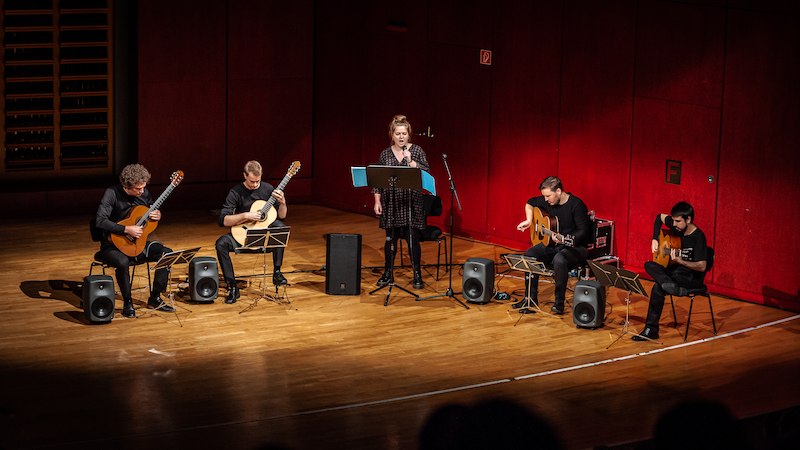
[140,216]
[667,241]
[545,227]
[265,208]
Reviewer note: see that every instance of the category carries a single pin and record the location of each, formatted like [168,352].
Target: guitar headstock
[293,168]
[176,177]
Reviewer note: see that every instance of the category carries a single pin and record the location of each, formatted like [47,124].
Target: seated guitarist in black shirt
[236,211]
[683,266]
[116,205]
[563,248]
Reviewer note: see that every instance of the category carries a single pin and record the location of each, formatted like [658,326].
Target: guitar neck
[271,201]
[156,204]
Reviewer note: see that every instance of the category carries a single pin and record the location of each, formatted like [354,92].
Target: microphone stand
[453,195]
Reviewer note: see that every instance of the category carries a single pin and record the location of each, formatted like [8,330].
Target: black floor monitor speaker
[478,284]
[203,279]
[343,264]
[98,298]
[589,304]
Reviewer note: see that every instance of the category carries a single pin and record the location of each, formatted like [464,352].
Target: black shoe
[418,284]
[127,309]
[556,310]
[278,279]
[386,278]
[647,333]
[524,303]
[233,293]
[156,303]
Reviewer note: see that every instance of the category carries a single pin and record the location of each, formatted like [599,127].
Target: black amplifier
[603,244]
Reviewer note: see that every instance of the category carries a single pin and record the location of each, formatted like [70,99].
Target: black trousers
[680,275]
[390,247]
[122,263]
[226,245]
[562,259]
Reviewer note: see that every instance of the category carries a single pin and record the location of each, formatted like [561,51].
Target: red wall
[221,83]
[599,93]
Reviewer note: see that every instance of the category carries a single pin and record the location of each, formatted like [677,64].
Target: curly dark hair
[134,174]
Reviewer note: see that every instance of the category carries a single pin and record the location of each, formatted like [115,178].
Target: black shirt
[115,205]
[240,199]
[573,217]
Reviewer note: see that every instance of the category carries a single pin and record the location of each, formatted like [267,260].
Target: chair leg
[446,256]
[438,257]
[688,318]
[711,308]
[674,316]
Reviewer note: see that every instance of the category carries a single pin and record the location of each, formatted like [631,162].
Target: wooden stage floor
[345,371]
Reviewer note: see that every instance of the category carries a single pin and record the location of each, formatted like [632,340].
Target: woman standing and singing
[392,205]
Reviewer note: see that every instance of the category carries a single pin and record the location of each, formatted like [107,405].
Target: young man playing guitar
[236,211]
[686,266]
[564,247]
[117,204]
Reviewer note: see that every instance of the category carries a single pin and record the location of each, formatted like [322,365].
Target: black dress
[395,201]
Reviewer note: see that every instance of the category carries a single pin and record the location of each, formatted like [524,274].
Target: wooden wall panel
[524,120]
[338,104]
[679,72]
[676,131]
[182,89]
[269,87]
[759,188]
[460,121]
[596,108]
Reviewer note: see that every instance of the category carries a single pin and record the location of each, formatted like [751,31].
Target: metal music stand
[259,240]
[168,260]
[530,266]
[392,178]
[626,280]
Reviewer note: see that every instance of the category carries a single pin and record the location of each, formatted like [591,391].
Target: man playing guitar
[564,247]
[236,211]
[685,266]
[117,203]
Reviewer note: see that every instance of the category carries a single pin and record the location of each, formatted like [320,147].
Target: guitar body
[140,216]
[128,245]
[239,232]
[543,227]
[266,208]
[667,240]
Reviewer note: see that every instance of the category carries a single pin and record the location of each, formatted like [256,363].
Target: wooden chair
[692,293]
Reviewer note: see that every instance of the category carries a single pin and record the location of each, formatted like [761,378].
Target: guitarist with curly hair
[560,229]
[125,221]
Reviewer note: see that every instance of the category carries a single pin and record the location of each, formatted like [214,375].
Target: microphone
[407,159]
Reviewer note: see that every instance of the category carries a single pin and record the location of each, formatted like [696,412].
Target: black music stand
[529,266]
[626,280]
[392,178]
[168,260]
[259,240]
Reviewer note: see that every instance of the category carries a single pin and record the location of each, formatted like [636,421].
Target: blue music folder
[359,175]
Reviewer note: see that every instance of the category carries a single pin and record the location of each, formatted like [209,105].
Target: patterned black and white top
[395,201]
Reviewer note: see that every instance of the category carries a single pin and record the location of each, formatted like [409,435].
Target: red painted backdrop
[599,93]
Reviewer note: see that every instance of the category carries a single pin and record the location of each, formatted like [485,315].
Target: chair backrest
[710,260]
[432,205]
